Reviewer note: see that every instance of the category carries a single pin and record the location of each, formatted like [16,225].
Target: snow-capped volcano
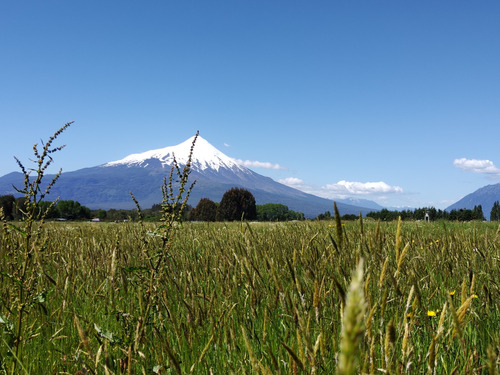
[205,156]
[109,185]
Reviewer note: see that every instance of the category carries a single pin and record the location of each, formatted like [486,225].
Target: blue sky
[397,102]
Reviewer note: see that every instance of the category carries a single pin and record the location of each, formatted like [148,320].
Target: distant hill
[484,196]
[373,206]
[109,185]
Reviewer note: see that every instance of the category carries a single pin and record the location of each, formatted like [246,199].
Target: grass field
[274,298]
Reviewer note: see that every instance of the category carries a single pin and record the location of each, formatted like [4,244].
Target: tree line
[13,209]
[432,214]
[236,204]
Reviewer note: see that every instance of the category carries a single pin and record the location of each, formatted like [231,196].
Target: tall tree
[237,204]
[477,213]
[495,212]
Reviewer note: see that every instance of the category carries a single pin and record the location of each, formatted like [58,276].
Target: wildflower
[452,293]
[431,313]
[475,296]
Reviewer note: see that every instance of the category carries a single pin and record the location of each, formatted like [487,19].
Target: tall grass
[259,298]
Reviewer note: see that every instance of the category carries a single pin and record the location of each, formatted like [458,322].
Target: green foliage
[277,212]
[420,214]
[48,209]
[121,215]
[68,209]
[467,215]
[205,210]
[495,212]
[237,204]
[72,210]
[350,217]
[100,214]
[327,215]
[7,204]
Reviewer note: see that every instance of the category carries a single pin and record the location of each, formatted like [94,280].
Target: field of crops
[274,298]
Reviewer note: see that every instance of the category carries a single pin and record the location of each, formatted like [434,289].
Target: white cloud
[227,144]
[344,189]
[292,182]
[259,164]
[476,166]
[361,188]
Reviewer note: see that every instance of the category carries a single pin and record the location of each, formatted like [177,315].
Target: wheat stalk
[352,325]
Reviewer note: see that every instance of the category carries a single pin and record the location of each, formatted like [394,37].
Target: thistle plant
[175,194]
[25,268]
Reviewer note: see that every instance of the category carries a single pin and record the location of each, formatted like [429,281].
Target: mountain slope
[109,185]
[485,196]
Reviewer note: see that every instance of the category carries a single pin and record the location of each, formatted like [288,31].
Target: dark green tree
[7,203]
[48,209]
[101,214]
[72,210]
[205,210]
[325,216]
[237,204]
[478,213]
[495,212]
[277,212]
[350,217]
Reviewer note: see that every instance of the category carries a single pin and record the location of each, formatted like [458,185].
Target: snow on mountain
[205,156]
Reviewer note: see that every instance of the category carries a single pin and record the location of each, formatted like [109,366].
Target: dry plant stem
[172,209]
[33,194]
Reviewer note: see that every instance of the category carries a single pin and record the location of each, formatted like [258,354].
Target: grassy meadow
[256,298]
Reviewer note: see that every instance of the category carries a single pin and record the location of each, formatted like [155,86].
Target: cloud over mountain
[476,166]
[259,164]
[292,181]
[362,188]
[344,189]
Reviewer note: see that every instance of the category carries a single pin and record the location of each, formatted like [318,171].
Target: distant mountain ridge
[109,185]
[485,196]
